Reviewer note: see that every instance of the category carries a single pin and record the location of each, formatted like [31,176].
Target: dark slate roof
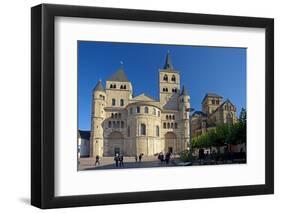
[84,134]
[119,75]
[199,113]
[99,86]
[210,94]
[183,91]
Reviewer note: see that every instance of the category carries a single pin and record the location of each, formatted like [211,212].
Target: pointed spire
[99,87]
[119,75]
[168,62]
[183,91]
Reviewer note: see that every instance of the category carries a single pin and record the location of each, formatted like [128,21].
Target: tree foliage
[223,134]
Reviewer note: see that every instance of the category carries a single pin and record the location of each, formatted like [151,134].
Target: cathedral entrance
[114,144]
[170,142]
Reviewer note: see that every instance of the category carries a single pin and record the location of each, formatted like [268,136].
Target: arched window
[113,102]
[166,89]
[115,115]
[128,131]
[154,111]
[118,124]
[138,109]
[109,124]
[143,129]
[170,117]
[114,86]
[119,115]
[175,90]
[122,102]
[121,87]
[172,125]
[146,109]
[114,124]
[176,125]
[111,86]
[157,131]
[112,115]
[173,117]
[167,117]
[173,78]
[122,124]
[165,78]
[124,87]
[168,126]
[164,125]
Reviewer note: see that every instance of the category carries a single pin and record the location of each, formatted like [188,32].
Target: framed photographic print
[139,106]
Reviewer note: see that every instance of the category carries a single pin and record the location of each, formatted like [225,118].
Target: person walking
[97,160]
[167,157]
[136,158]
[121,158]
[116,159]
[140,157]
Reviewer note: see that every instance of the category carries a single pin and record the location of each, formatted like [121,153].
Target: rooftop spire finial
[168,62]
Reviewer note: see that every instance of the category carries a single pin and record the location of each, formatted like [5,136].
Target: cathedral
[132,125]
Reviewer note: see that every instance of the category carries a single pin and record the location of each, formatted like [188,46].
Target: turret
[184,107]
[98,116]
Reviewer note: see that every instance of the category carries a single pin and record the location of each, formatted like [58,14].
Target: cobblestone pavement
[129,162]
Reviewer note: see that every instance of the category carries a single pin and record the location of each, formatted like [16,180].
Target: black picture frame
[43,102]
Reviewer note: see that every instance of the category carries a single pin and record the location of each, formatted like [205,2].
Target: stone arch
[115,143]
[170,142]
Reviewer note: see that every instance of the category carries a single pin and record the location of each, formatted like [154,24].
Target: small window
[158,113]
[109,124]
[111,86]
[170,117]
[173,117]
[172,125]
[165,78]
[121,87]
[115,115]
[157,131]
[217,102]
[213,101]
[143,129]
[124,87]
[146,109]
[168,126]
[176,125]
[118,124]
[138,109]
[113,102]
[112,115]
[154,111]
[174,78]
[128,131]
[131,110]
[114,124]
[164,125]
[119,115]
[122,102]
[114,86]
[167,117]
[122,124]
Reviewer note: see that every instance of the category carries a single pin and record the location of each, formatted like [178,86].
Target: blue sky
[203,69]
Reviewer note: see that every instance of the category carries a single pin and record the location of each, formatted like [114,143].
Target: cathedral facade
[132,125]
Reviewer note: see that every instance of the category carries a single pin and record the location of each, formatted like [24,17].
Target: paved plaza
[129,162]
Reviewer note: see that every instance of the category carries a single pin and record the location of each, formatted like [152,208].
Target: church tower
[98,116]
[169,85]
